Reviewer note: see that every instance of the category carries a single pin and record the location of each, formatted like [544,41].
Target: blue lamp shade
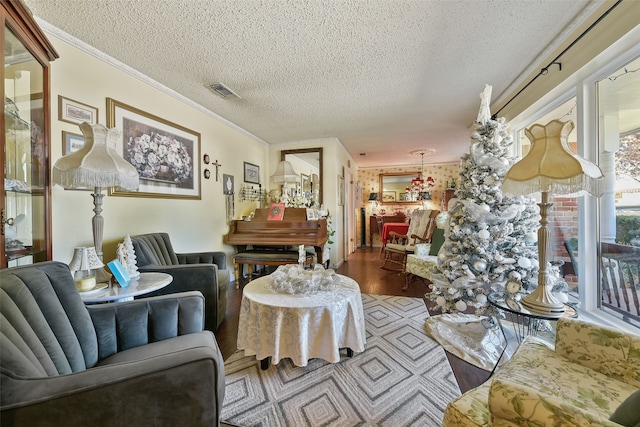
[373,197]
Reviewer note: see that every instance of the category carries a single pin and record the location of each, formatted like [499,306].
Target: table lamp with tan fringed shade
[550,167]
[96,165]
[284,173]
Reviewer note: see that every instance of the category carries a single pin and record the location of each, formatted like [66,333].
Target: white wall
[194,225]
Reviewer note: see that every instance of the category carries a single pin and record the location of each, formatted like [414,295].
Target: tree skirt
[467,337]
[402,378]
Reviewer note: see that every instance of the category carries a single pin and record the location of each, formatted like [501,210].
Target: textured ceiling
[385,77]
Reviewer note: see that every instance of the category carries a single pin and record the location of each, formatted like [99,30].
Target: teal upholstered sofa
[589,374]
[137,363]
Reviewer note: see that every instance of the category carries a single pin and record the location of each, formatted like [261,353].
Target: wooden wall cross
[217,165]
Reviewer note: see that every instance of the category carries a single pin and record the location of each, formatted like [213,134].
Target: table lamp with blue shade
[550,167]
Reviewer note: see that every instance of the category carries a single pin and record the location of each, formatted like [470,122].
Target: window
[563,216]
[603,100]
[619,145]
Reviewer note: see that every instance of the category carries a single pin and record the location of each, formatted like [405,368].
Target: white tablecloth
[301,327]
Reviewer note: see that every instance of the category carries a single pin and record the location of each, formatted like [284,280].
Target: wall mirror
[307,162]
[392,187]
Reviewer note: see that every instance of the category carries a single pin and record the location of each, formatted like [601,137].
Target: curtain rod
[545,70]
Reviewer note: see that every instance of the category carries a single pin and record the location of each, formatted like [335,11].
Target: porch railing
[620,281]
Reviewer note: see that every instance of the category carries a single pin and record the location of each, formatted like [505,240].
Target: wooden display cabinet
[26,195]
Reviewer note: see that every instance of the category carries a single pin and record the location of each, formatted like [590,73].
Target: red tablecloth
[398,227]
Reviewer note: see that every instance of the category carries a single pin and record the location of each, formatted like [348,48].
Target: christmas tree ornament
[461,305]
[481,299]
[515,276]
[480,265]
[513,287]
[524,262]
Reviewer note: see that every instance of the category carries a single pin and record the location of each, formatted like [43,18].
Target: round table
[145,283]
[525,322]
[300,327]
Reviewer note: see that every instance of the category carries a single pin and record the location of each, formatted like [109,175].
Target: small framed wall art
[388,196]
[71,142]
[251,173]
[75,112]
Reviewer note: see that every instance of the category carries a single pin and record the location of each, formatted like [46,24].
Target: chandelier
[420,188]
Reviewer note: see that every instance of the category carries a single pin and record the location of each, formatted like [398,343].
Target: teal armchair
[205,272]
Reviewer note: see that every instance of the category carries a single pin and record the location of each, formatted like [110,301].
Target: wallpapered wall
[441,173]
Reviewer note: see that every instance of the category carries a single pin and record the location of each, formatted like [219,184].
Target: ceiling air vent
[222,90]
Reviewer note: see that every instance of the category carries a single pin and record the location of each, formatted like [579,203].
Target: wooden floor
[363,267]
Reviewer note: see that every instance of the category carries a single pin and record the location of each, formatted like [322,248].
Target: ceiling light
[419,189]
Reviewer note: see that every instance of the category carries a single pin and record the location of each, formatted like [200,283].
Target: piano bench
[265,257]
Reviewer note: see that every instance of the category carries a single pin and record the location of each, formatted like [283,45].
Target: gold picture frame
[71,142]
[146,143]
[75,112]
[389,196]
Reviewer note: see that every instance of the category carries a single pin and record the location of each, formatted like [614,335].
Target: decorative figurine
[127,257]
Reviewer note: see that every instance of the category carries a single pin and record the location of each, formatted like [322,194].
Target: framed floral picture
[165,154]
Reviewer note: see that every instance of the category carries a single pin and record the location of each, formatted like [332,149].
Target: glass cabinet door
[25,195]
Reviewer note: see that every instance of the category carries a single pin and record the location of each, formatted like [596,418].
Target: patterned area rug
[402,378]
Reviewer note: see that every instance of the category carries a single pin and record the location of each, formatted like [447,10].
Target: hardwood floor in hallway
[364,267]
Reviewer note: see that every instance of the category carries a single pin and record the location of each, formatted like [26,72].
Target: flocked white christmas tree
[127,257]
[490,238]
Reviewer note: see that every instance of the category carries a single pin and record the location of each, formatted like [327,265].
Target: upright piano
[292,230]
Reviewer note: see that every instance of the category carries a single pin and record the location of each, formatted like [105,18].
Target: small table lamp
[284,174]
[550,167]
[82,266]
[96,165]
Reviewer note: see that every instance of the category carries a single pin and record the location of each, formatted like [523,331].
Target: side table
[525,322]
[145,283]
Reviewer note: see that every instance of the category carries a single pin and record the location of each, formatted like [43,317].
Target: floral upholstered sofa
[589,374]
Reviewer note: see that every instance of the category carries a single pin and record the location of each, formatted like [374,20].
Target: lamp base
[102,275]
[543,302]
[85,283]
